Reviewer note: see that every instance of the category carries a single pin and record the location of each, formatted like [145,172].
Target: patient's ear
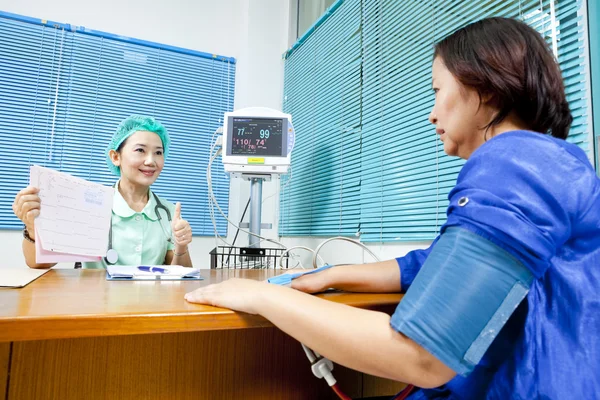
[115,157]
[488,99]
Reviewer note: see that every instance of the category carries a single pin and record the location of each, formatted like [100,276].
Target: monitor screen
[258,136]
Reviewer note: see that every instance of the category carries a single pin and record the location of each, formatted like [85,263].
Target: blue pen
[148,268]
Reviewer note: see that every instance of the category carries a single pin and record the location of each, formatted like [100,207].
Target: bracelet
[179,254]
[26,235]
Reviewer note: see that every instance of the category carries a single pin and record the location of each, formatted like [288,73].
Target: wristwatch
[26,235]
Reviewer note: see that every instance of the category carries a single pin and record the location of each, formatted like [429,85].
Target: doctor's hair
[512,69]
[135,123]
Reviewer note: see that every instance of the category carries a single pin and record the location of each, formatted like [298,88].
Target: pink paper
[45,256]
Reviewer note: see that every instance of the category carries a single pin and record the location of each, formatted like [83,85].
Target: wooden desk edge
[67,326]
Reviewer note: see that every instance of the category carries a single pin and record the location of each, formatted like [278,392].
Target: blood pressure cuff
[462,296]
[411,264]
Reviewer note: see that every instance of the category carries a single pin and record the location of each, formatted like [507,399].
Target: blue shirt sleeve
[411,264]
[520,191]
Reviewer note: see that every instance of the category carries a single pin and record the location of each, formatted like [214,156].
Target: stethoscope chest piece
[111,256]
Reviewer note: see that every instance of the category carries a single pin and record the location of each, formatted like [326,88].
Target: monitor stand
[255,225]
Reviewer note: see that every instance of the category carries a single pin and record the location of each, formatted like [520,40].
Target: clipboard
[152,273]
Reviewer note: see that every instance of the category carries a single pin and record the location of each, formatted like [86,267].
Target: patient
[504,304]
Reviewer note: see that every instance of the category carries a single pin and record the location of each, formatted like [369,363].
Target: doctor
[504,304]
[145,229]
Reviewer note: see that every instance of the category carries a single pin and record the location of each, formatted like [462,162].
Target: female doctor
[145,229]
[504,304]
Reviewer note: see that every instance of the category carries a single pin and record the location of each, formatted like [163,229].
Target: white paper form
[151,271]
[74,213]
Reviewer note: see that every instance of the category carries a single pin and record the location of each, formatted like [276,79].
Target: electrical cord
[285,253]
[241,219]
[281,187]
[365,248]
[237,233]
[214,200]
[216,142]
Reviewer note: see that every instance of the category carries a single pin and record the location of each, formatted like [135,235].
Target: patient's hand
[236,294]
[313,283]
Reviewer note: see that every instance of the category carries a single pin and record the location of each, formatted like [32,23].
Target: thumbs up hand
[182,232]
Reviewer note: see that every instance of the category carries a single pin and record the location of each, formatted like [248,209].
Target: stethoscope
[111,254]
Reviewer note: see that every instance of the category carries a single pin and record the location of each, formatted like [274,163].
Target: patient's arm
[382,277]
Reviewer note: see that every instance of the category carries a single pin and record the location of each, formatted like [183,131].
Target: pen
[148,268]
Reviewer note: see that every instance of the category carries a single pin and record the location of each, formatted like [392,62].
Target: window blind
[65,90]
[404,176]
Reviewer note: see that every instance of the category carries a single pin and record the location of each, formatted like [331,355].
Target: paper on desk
[19,277]
[130,271]
[74,215]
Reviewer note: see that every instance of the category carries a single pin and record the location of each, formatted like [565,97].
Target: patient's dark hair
[512,69]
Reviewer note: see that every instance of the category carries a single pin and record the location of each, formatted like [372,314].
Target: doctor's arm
[26,207]
[184,260]
[29,253]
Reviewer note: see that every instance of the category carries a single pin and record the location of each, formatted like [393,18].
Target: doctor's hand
[182,231]
[236,294]
[27,207]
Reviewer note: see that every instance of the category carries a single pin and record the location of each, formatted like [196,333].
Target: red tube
[339,392]
[404,393]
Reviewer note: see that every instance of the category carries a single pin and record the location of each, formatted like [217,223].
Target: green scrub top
[138,237]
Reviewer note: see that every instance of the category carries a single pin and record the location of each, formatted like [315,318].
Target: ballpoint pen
[148,268]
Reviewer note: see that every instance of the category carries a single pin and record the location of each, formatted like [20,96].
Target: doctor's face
[458,114]
[141,158]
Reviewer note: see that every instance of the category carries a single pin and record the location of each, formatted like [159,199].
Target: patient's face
[142,158]
[457,114]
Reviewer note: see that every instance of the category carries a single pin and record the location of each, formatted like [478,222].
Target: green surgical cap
[128,127]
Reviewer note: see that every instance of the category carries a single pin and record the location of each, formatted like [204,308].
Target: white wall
[202,25]
[255,32]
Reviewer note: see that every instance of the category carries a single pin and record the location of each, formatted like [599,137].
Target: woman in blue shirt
[504,304]
[145,229]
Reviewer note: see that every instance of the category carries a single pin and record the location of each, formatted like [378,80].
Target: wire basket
[229,257]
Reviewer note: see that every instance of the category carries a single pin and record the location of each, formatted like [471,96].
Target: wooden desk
[71,334]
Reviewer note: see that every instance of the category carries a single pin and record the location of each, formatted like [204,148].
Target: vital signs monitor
[257,141]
